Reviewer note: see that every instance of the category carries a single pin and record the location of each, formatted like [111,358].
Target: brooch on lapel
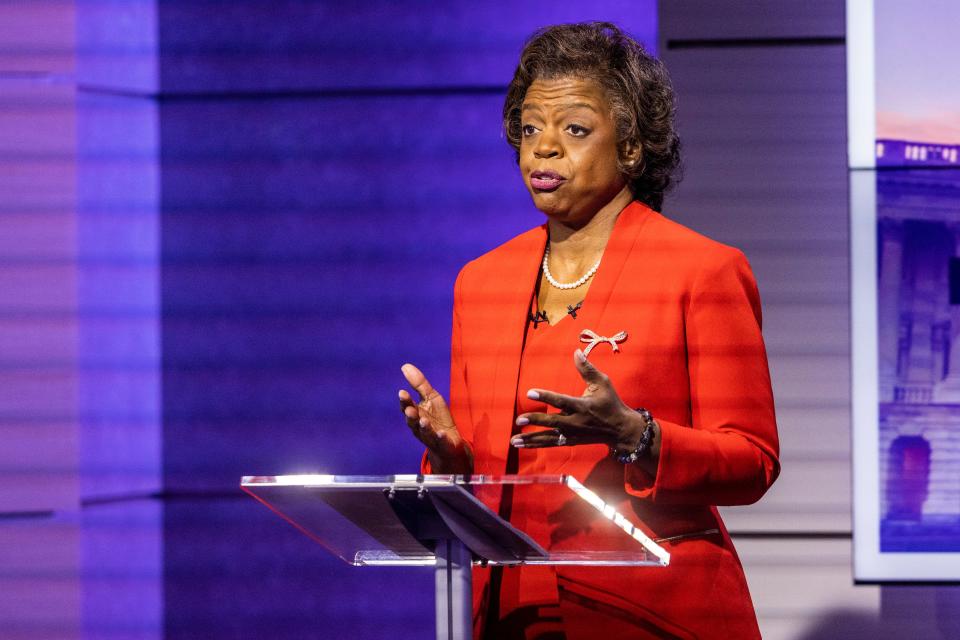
[592,340]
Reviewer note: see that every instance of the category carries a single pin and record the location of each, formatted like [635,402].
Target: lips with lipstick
[546,180]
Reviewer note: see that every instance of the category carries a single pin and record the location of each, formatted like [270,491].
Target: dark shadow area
[921,611]
[848,625]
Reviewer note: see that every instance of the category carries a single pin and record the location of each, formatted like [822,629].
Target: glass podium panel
[502,520]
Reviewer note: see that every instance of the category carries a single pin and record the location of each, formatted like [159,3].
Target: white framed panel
[861,87]
[905,292]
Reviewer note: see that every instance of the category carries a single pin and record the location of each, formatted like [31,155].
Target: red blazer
[694,357]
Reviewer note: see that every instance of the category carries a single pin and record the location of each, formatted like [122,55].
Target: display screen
[905,226]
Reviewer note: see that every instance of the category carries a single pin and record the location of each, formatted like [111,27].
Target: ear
[631,153]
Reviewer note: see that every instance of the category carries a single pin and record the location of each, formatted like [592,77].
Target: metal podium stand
[451,522]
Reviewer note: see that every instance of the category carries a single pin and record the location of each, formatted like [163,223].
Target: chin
[549,206]
[564,216]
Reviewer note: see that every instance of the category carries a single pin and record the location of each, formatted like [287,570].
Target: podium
[455,522]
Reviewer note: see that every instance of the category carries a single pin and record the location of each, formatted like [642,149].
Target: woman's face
[568,150]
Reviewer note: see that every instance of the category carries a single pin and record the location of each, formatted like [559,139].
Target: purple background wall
[260,212]
[39,560]
[224,225]
[325,172]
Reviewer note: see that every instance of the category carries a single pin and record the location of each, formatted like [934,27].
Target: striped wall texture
[762,109]
[39,532]
[224,226]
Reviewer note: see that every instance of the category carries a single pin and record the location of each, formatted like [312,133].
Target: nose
[548,144]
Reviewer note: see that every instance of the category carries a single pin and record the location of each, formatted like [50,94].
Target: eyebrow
[568,107]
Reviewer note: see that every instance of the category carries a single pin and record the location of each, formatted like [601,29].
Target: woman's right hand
[432,424]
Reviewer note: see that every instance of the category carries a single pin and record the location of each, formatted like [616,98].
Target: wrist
[459,462]
[639,438]
[632,431]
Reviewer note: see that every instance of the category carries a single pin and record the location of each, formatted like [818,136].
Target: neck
[573,248]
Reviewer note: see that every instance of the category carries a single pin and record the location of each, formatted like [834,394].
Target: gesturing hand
[432,424]
[599,416]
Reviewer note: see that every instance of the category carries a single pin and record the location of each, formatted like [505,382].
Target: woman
[666,410]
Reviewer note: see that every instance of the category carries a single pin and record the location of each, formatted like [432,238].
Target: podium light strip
[304,479]
[607,510]
[377,558]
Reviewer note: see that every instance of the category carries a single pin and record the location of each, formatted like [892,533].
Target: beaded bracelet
[646,440]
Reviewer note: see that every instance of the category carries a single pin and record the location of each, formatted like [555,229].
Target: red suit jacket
[694,357]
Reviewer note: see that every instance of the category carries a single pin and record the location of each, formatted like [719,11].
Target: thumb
[418,381]
[589,373]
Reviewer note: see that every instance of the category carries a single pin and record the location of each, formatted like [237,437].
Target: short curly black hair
[636,85]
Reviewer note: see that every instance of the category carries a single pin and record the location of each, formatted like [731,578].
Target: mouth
[546,180]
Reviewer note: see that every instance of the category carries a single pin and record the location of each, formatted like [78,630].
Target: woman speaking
[611,344]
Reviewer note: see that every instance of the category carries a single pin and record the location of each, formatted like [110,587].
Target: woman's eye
[577,130]
[528,129]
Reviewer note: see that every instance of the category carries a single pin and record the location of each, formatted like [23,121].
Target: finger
[569,404]
[553,420]
[405,400]
[433,438]
[426,431]
[410,411]
[549,438]
[588,372]
[542,439]
[412,415]
[418,381]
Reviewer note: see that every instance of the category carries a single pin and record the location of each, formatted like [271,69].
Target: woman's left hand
[599,416]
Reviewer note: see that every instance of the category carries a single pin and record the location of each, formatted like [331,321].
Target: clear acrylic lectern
[452,522]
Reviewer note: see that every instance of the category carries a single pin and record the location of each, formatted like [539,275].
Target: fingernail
[423,422]
[400,394]
[517,442]
[521,421]
[533,395]
[578,354]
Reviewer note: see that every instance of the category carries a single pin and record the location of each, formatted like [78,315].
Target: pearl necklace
[566,285]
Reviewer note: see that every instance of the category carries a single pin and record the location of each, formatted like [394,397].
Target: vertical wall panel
[118,234]
[39,584]
[37,293]
[119,324]
[765,171]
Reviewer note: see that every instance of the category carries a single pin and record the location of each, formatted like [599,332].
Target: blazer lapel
[619,248]
[517,277]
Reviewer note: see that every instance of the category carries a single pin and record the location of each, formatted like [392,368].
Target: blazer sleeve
[458,401]
[729,453]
